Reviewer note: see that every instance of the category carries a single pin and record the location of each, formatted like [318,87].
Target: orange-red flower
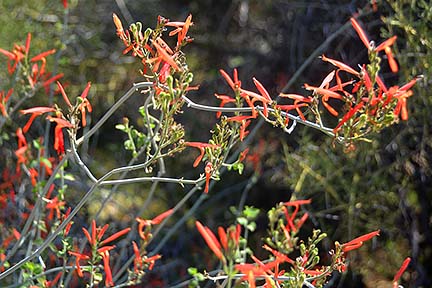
[54,205]
[138,259]
[387,50]
[348,115]
[201,146]
[401,271]
[224,100]
[235,84]
[58,133]
[144,223]
[164,56]
[95,238]
[181,29]
[152,260]
[106,263]
[358,242]
[34,111]
[211,240]
[3,101]
[299,101]
[42,55]
[361,33]
[78,258]
[342,66]
[208,172]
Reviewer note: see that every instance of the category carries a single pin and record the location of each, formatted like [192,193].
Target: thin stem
[114,108]
[201,107]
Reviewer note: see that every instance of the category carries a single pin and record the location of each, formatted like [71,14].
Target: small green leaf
[242,221]
[251,212]
[192,271]
[128,144]
[251,226]
[69,177]
[121,127]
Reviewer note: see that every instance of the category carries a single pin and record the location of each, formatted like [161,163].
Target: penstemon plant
[37,247]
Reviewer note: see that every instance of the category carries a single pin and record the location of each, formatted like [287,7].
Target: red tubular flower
[138,259]
[158,219]
[340,65]
[279,255]
[240,118]
[42,55]
[224,100]
[361,33]
[85,105]
[201,146]
[52,283]
[243,154]
[327,80]
[8,54]
[228,79]
[65,4]
[91,238]
[297,97]
[326,93]
[22,142]
[358,242]
[163,55]
[182,33]
[261,89]
[27,43]
[35,111]
[143,223]
[208,172]
[223,238]
[58,133]
[243,127]
[46,83]
[54,205]
[69,225]
[256,97]
[65,97]
[115,236]
[392,62]
[348,115]
[78,257]
[33,176]
[105,249]
[211,240]
[401,271]
[389,42]
[3,101]
[152,260]
[108,274]
[302,220]
[97,233]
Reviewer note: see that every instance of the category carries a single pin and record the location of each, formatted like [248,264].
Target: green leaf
[69,177]
[128,144]
[121,127]
[239,167]
[242,221]
[251,212]
[192,271]
[46,162]
[251,226]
